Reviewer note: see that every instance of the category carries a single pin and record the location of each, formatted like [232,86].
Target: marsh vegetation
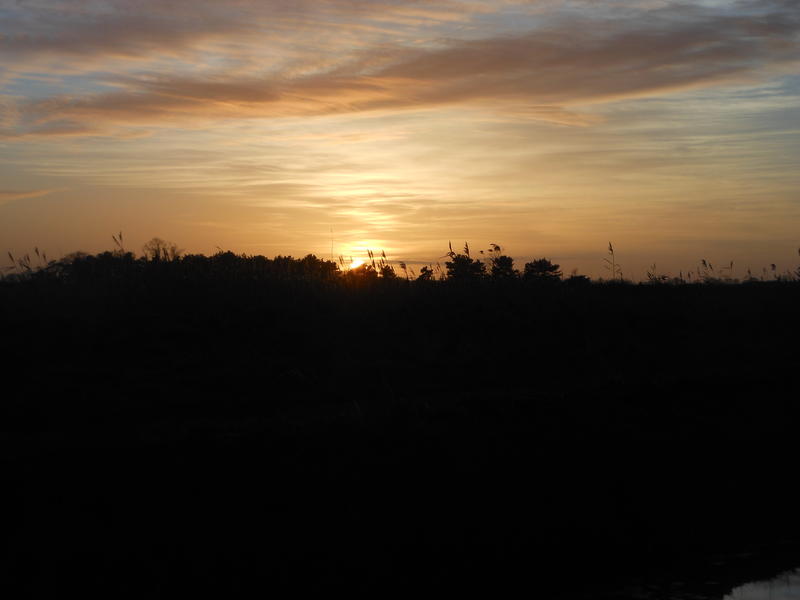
[230,423]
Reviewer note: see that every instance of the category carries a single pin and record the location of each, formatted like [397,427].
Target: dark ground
[170,432]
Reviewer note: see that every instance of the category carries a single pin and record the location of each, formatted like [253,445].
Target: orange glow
[357,262]
[398,126]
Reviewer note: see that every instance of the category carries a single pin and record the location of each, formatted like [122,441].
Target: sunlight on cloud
[548,127]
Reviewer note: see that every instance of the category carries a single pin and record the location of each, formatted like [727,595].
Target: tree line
[491,264]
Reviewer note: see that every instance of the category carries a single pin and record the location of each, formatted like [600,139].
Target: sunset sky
[287,126]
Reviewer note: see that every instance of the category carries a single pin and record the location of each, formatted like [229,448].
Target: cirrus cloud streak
[547,73]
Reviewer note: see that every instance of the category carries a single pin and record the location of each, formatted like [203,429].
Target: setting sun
[357,262]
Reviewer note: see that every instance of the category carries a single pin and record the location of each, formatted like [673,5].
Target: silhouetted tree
[542,269]
[462,267]
[318,268]
[503,268]
[159,250]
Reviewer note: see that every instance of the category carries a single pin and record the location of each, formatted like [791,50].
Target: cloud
[65,29]
[11,195]
[547,73]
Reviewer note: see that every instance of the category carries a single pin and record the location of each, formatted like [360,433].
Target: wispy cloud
[67,29]
[546,73]
[11,195]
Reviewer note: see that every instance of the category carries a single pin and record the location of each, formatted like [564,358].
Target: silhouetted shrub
[500,265]
[425,274]
[365,272]
[654,277]
[542,269]
[576,280]
[387,272]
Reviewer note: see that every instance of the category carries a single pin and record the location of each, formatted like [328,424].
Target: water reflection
[782,587]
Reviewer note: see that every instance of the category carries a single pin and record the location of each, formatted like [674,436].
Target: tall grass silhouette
[177,422]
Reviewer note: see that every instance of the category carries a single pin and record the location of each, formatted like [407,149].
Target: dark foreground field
[176,428]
